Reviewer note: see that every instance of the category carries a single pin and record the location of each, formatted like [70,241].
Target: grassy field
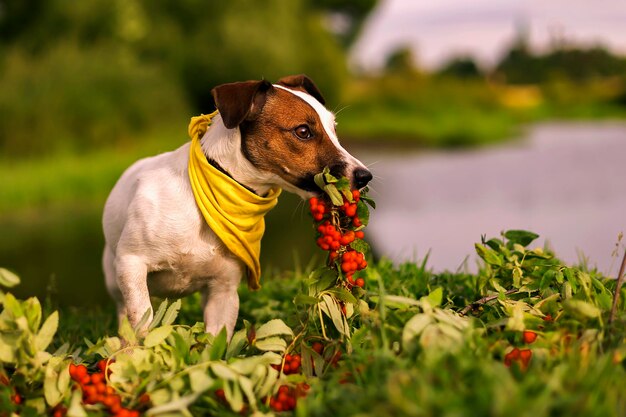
[526,336]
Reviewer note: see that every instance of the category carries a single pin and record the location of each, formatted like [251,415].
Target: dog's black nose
[361,177]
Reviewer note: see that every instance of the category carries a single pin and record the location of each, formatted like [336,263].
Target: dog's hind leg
[110,279]
[221,305]
[131,278]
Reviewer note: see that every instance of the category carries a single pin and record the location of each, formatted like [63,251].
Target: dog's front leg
[132,281]
[221,306]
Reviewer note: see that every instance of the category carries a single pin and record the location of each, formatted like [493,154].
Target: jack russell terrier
[192,219]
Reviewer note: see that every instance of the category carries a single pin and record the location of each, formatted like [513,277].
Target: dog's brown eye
[303,132]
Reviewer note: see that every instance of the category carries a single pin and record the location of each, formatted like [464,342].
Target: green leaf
[32,311]
[199,380]
[328,177]
[175,405]
[342,294]
[47,331]
[13,306]
[488,255]
[435,297]
[322,279]
[414,327]
[220,343]
[495,244]
[234,396]
[273,344]
[157,336]
[237,343]
[521,237]
[274,327]
[248,389]
[369,201]
[546,279]
[223,371]
[319,180]
[76,405]
[396,301]
[581,308]
[516,319]
[126,332]
[158,315]
[360,245]
[334,194]
[363,212]
[301,299]
[8,279]
[171,313]
[56,380]
[331,307]
[141,324]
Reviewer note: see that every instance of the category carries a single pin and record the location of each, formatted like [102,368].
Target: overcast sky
[438,29]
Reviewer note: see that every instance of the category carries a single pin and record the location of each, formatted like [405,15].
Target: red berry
[351,210]
[81,371]
[357,222]
[313,201]
[97,378]
[359,234]
[318,347]
[525,355]
[16,399]
[85,380]
[360,282]
[511,356]
[529,337]
[356,195]
[318,216]
[72,369]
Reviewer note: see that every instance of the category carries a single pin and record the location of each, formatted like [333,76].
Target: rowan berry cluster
[339,226]
[351,262]
[291,364]
[521,356]
[96,391]
[287,397]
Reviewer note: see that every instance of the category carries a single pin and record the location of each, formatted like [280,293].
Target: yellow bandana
[232,211]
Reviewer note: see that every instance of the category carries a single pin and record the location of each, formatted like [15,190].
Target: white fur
[158,243]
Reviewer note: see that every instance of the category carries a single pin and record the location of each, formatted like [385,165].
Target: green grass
[454,366]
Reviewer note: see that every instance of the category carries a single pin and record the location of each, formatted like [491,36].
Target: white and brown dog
[158,243]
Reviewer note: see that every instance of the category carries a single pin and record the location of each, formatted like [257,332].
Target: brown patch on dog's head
[302,83]
[281,131]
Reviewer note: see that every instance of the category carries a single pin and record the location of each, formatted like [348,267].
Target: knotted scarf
[233,212]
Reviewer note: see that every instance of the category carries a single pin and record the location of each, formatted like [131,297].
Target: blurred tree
[460,67]
[563,61]
[401,61]
[189,45]
[346,16]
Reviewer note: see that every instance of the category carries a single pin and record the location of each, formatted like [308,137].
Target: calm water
[566,182]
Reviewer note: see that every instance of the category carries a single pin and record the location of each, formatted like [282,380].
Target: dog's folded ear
[240,101]
[302,82]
